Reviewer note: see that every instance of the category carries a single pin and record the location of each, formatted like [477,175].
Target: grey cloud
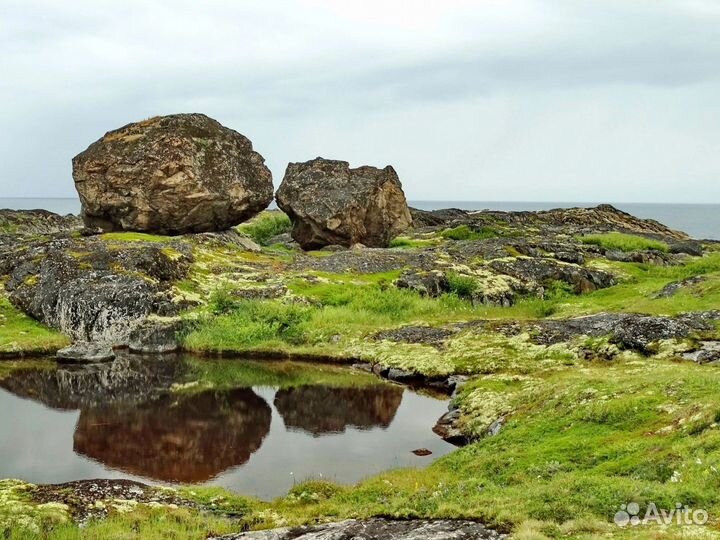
[472,93]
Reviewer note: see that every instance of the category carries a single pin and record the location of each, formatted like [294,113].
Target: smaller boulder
[330,203]
[155,336]
[86,352]
[432,283]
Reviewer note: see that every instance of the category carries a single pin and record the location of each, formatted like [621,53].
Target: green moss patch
[22,336]
[624,242]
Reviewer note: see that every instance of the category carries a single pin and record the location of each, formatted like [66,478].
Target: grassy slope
[581,437]
[18,332]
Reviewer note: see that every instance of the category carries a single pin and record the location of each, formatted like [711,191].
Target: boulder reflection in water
[321,409]
[186,439]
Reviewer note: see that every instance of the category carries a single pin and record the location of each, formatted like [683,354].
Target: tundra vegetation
[589,419]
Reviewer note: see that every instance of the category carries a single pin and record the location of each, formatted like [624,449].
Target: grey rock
[688,247]
[401,375]
[432,283]
[675,287]
[171,174]
[91,291]
[708,353]
[84,352]
[644,257]
[541,270]
[155,336]
[448,428]
[425,335]
[377,529]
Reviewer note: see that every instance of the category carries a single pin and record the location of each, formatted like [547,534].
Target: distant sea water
[698,220]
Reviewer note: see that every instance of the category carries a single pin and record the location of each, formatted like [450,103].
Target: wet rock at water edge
[448,428]
[171,175]
[155,336]
[85,352]
[377,529]
[330,203]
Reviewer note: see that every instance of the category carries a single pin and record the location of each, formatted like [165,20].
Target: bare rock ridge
[377,529]
[330,203]
[171,175]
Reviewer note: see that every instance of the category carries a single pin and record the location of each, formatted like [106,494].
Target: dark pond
[255,428]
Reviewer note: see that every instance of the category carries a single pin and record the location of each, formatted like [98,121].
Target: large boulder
[330,203]
[171,175]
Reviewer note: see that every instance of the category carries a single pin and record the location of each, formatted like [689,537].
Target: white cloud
[499,99]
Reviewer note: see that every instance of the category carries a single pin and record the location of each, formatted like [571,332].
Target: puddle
[268,428]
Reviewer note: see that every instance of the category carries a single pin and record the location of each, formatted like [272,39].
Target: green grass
[340,312]
[581,437]
[463,232]
[266,225]
[406,242]
[22,336]
[135,237]
[344,308]
[624,242]
[463,286]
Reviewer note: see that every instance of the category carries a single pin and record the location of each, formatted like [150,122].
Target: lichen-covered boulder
[330,203]
[171,175]
[93,290]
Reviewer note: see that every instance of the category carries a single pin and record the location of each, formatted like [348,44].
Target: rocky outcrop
[92,290]
[171,175]
[542,271]
[431,283]
[377,529]
[561,221]
[95,499]
[36,222]
[330,203]
[671,289]
[631,331]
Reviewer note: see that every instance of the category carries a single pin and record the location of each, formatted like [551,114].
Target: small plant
[463,232]
[624,242]
[462,286]
[405,242]
[266,226]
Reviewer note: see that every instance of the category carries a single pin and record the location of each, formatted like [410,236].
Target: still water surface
[120,420]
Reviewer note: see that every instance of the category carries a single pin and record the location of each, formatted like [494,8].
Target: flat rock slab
[378,529]
[84,352]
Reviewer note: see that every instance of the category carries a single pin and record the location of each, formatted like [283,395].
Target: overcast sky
[526,100]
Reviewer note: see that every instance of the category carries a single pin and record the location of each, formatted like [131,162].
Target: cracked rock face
[330,203]
[171,175]
[92,291]
[378,529]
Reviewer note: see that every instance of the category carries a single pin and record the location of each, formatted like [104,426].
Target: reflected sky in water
[57,427]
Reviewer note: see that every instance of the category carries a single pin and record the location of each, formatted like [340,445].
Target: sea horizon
[699,220]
